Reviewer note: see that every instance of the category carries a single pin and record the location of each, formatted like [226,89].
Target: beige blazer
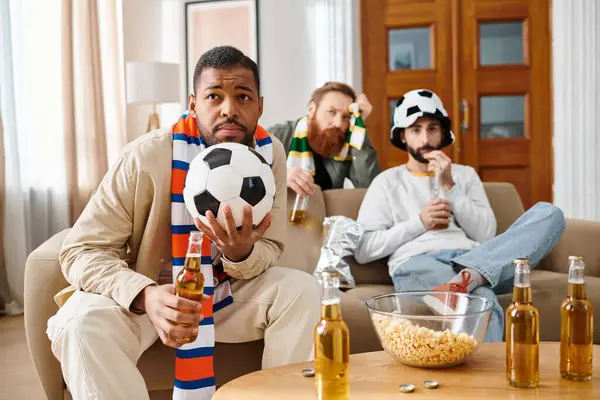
[123,237]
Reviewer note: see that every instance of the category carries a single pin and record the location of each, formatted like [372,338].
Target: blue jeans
[532,236]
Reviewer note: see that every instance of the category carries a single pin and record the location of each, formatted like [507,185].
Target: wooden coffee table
[377,376]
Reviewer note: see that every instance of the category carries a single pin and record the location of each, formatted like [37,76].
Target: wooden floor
[17,376]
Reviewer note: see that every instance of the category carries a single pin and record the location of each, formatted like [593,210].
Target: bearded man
[329,144]
[445,241]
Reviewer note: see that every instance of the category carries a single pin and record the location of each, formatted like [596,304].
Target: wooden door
[406,45]
[488,60]
[505,130]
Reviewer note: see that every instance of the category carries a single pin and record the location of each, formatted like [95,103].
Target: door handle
[464,108]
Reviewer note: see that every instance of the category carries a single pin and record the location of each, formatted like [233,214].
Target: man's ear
[312,107]
[402,138]
[192,104]
[260,106]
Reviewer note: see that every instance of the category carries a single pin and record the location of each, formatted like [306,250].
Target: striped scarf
[194,371]
[301,156]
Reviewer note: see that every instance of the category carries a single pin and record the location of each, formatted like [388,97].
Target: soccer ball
[232,174]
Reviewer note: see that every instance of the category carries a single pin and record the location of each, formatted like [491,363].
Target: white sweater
[390,215]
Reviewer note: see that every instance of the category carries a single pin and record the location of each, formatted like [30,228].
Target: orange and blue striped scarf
[194,371]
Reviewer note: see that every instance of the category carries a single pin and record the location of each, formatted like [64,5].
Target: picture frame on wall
[211,23]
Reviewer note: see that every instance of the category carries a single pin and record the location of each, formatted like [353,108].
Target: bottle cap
[575,258]
[308,372]
[522,261]
[407,388]
[431,384]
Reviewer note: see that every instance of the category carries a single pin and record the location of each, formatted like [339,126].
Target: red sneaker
[446,303]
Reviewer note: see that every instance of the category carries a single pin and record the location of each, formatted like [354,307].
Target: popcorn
[420,346]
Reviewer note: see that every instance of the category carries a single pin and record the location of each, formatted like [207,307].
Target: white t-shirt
[390,215]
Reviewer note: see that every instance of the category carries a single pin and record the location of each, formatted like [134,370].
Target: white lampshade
[152,82]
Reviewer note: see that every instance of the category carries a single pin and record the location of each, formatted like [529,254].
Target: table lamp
[152,83]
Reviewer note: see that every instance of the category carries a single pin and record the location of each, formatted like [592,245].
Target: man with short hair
[329,144]
[445,241]
[129,241]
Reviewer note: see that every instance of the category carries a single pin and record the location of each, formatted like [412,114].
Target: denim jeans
[532,236]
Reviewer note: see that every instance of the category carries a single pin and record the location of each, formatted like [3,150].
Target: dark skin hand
[235,244]
[163,309]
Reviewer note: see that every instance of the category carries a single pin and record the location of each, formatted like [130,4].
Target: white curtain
[45,77]
[576,65]
[335,35]
[35,203]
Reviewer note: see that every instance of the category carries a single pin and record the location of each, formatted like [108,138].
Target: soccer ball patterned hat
[419,103]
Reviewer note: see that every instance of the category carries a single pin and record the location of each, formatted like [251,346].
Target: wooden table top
[377,376]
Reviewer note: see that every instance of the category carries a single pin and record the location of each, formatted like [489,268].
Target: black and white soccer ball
[418,103]
[232,174]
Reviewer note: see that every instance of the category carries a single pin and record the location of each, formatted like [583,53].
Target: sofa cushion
[343,202]
[303,241]
[579,239]
[367,291]
[375,272]
[505,202]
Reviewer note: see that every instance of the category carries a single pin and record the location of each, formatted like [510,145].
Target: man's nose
[228,109]
[338,121]
[423,139]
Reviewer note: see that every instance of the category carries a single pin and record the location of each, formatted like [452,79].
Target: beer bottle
[298,213]
[576,326]
[438,192]
[189,282]
[522,331]
[332,344]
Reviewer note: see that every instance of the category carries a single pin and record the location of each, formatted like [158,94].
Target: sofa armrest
[43,279]
[579,239]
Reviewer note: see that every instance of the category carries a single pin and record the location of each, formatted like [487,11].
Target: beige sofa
[43,279]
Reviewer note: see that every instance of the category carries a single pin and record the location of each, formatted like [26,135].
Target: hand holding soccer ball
[229,191]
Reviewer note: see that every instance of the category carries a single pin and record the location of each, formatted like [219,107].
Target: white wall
[141,34]
[148,35]
[293,37]
[287,59]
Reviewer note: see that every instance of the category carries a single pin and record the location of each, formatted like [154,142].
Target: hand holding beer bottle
[436,214]
[301,182]
[174,310]
[189,282]
[163,309]
[440,166]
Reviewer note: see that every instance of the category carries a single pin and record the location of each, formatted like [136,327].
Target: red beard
[328,142]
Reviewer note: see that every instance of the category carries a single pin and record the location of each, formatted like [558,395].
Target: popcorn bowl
[420,330]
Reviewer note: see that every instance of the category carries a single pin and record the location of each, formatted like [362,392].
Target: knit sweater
[393,228]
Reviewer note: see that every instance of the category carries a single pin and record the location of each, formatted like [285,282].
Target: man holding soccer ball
[118,257]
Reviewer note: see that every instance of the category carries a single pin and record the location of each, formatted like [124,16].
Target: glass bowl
[420,330]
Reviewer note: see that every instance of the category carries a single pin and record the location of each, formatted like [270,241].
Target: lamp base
[153,122]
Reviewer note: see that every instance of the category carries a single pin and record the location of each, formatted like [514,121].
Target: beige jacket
[123,237]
